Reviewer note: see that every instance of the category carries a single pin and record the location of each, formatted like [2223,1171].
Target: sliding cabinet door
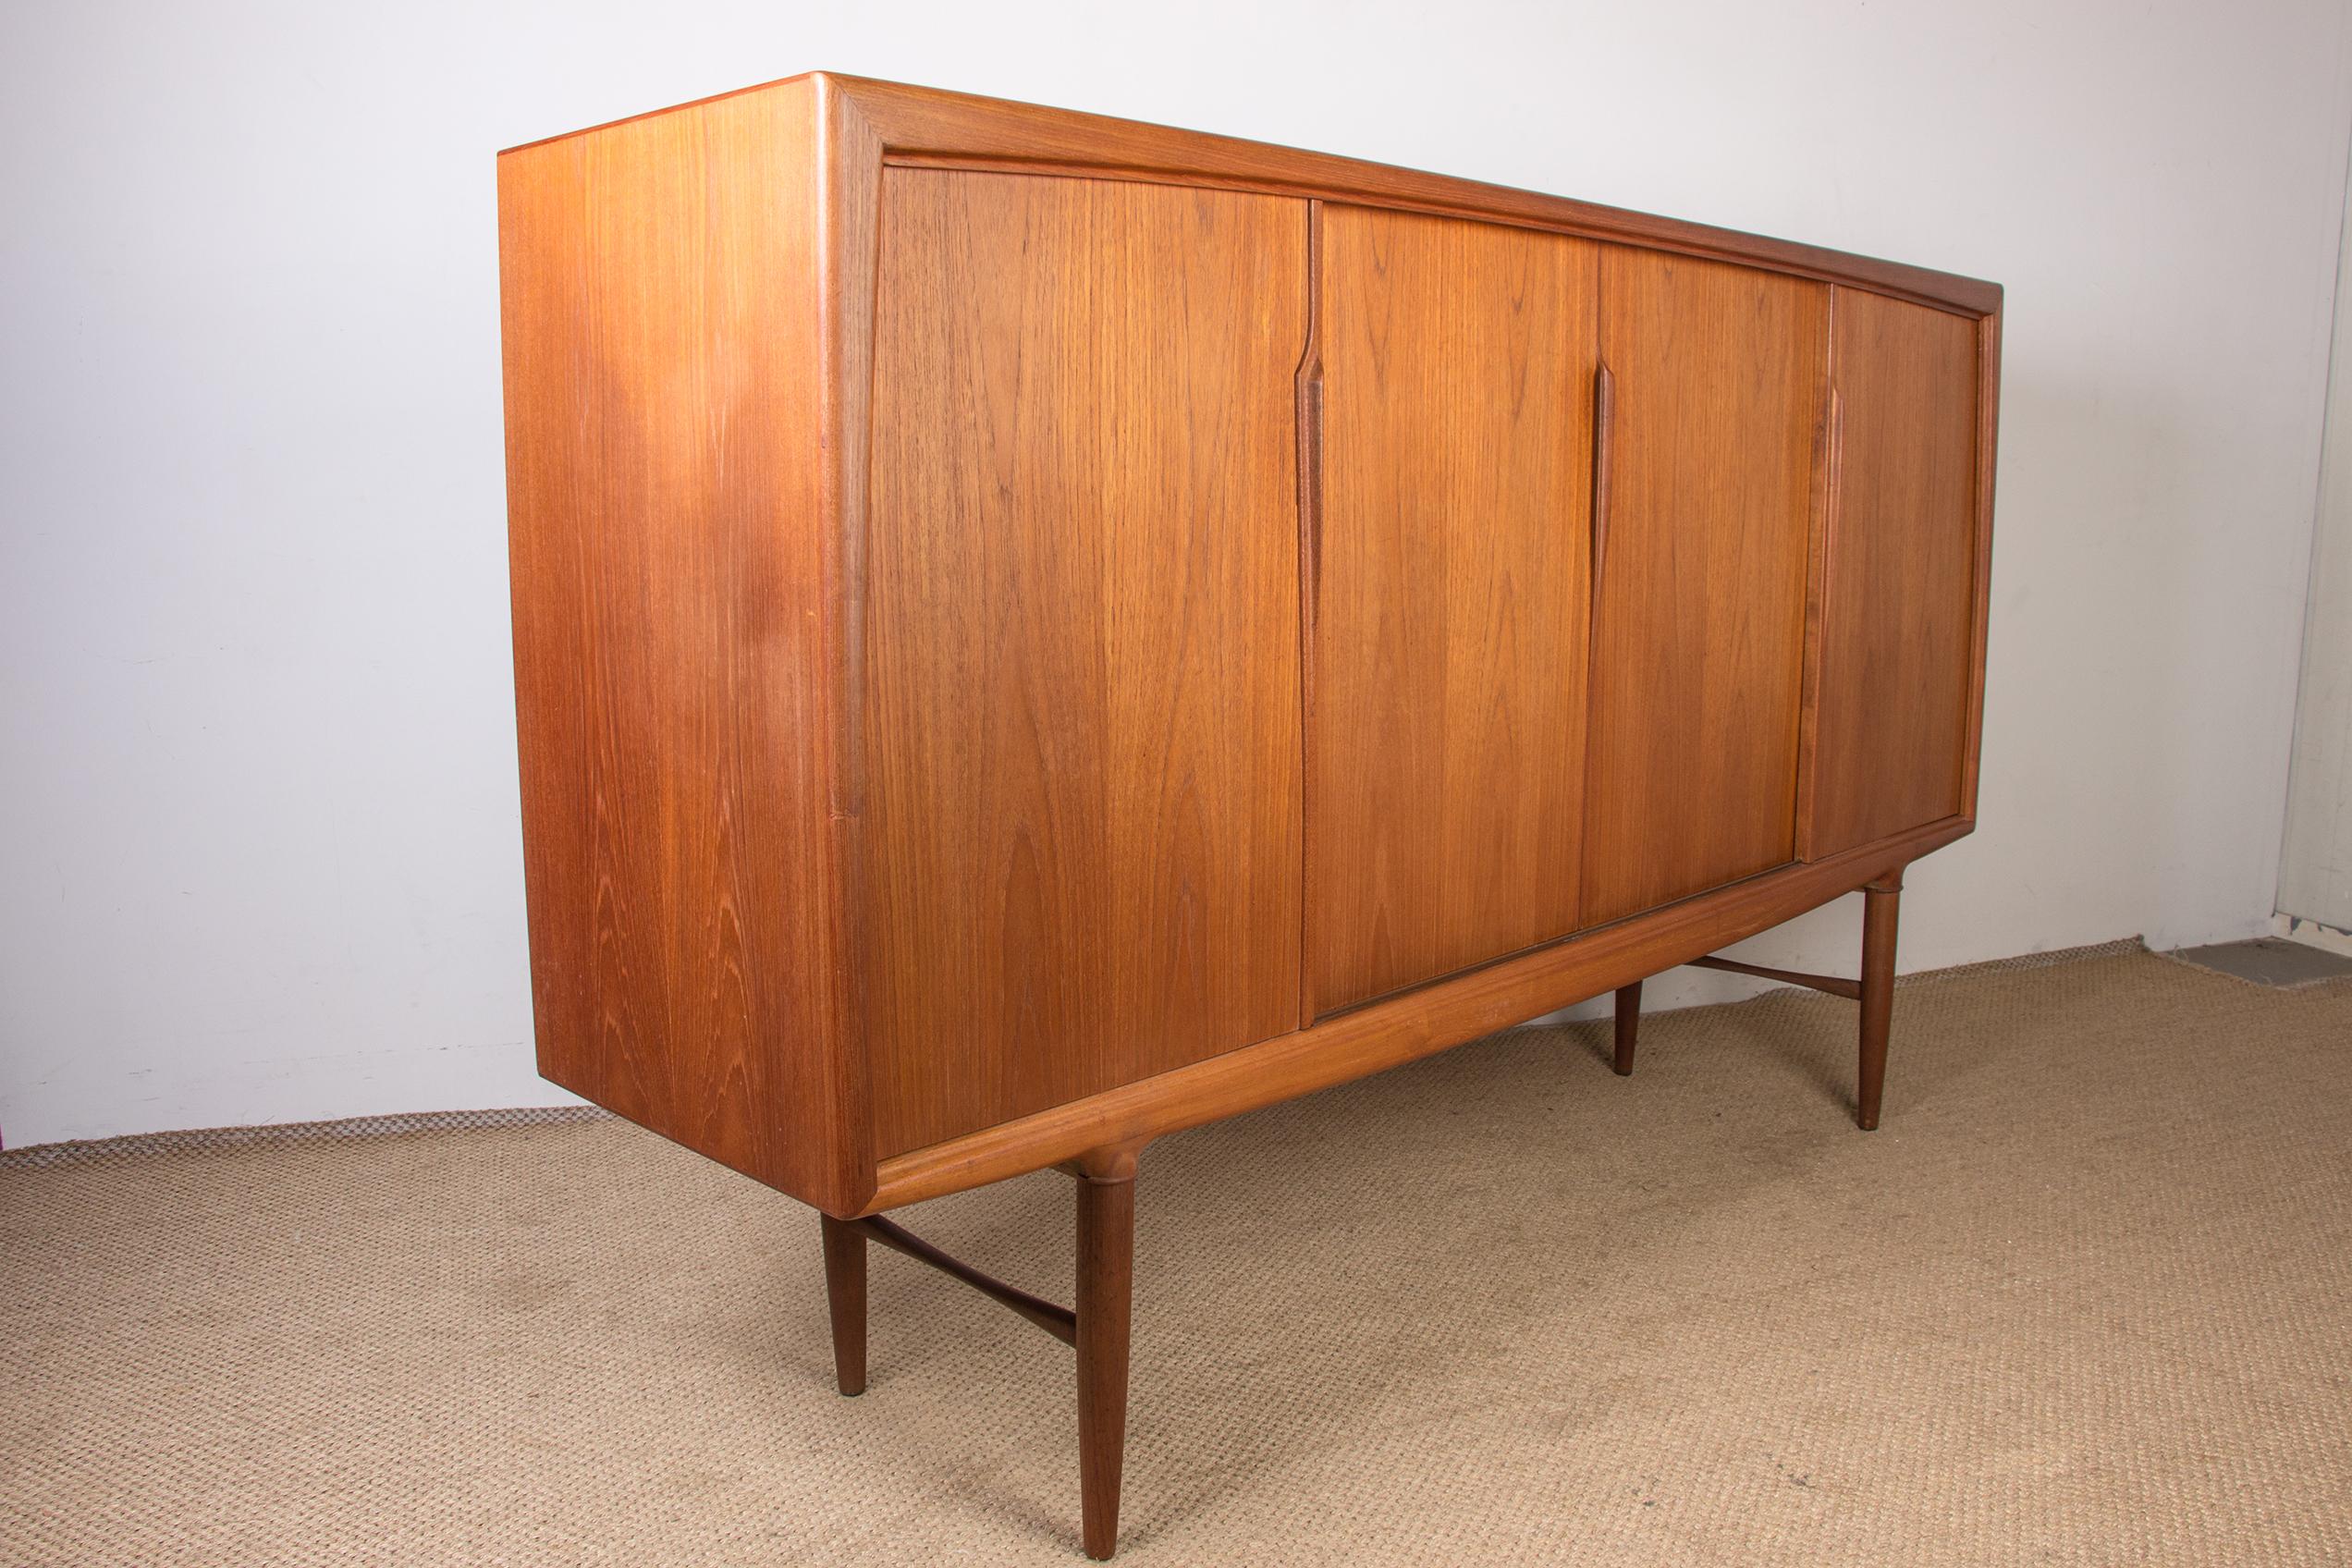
[1445,742]
[1715,392]
[1082,640]
[1899,614]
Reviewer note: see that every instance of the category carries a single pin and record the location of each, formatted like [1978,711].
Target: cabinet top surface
[888,122]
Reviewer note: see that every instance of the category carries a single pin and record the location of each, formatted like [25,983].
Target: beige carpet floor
[2086,1299]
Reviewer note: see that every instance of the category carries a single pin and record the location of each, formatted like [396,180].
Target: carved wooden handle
[1832,482]
[1604,425]
[1310,476]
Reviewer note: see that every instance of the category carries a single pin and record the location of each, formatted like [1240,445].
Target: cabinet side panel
[1453,599]
[1082,807]
[658,282]
[1698,649]
[1898,641]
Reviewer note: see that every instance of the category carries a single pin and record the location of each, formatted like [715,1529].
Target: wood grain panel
[658,283]
[1451,609]
[1083,768]
[1698,643]
[1900,603]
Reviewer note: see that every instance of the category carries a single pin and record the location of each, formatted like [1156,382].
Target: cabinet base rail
[1058,1321]
[1835,984]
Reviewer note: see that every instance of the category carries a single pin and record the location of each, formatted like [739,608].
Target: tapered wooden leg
[1106,1280]
[1628,1023]
[845,1294]
[1879,900]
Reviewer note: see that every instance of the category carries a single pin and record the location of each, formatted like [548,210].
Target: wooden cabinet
[1035,631]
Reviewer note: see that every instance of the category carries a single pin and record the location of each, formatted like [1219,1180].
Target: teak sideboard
[1035,631]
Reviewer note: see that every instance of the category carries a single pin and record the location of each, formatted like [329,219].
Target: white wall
[258,843]
[2315,863]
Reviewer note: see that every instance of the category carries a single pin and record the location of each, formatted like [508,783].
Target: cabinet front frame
[863,126]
